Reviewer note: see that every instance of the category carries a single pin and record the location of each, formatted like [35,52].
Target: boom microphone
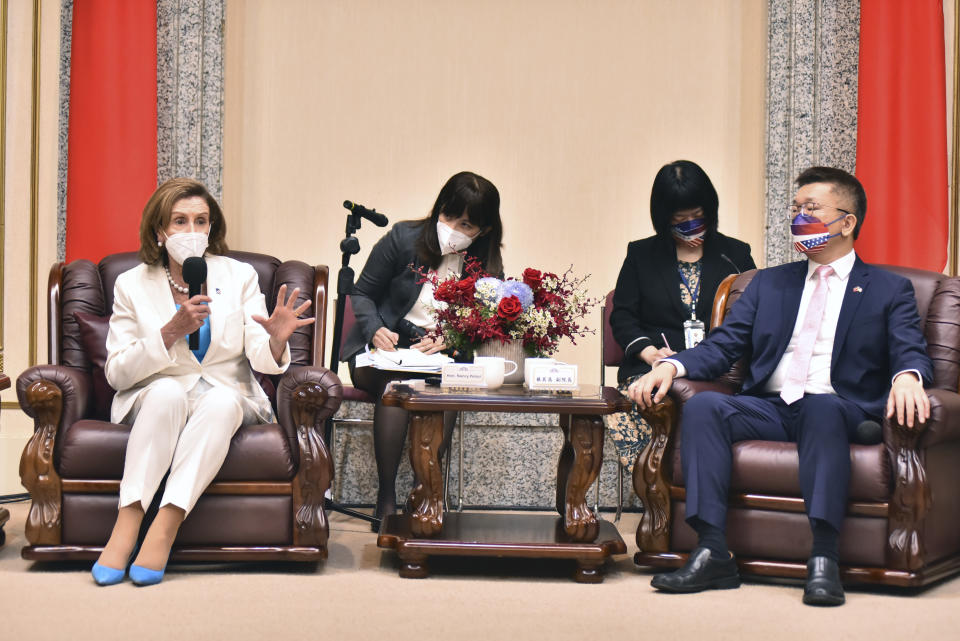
[195,273]
[726,258]
[370,214]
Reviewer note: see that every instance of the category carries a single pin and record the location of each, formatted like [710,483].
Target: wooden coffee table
[425,530]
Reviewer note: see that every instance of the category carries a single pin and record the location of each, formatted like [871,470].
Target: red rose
[532,277]
[465,289]
[509,308]
[446,292]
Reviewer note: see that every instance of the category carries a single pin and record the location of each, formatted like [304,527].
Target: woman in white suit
[184,405]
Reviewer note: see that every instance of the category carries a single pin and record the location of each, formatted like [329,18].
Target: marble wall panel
[813,47]
[190,91]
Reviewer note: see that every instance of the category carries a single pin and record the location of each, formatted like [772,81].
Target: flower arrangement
[538,310]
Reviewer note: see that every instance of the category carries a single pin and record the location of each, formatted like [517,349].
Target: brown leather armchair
[267,500]
[903,518]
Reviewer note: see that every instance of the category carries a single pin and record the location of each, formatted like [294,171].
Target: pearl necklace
[173,283]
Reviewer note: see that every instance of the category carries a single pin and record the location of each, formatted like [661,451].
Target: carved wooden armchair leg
[910,502]
[649,480]
[310,527]
[37,472]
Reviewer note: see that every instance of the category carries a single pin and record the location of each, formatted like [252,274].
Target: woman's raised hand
[188,319]
[284,320]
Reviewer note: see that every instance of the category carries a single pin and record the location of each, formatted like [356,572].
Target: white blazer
[143,304]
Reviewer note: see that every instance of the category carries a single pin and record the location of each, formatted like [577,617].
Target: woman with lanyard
[666,286]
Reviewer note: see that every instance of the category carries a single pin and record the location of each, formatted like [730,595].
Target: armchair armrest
[54,396]
[72,400]
[912,497]
[306,398]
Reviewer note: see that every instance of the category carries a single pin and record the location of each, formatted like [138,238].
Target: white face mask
[451,240]
[180,247]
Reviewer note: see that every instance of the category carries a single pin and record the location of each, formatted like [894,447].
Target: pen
[666,343]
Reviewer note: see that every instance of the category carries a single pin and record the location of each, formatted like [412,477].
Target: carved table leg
[37,472]
[585,438]
[563,464]
[426,499]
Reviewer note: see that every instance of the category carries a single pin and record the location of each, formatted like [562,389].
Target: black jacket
[647,301]
[387,287]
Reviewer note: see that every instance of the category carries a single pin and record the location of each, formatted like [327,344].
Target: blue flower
[521,290]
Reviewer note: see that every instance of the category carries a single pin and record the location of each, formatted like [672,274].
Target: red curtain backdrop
[902,133]
[112,139]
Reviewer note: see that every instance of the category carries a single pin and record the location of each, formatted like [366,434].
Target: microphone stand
[349,246]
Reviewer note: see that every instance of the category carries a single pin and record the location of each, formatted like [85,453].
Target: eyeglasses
[810,208]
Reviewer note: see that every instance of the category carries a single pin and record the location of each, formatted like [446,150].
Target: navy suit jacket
[878,334]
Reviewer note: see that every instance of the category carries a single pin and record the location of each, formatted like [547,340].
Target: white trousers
[187,433]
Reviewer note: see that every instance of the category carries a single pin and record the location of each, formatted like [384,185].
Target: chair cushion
[95,450]
[93,336]
[773,468]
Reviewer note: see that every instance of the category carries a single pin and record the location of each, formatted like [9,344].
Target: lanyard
[694,294]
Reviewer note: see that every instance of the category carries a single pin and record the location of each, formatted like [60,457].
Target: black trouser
[390,430]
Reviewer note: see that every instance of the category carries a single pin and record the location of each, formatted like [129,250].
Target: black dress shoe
[823,582]
[702,571]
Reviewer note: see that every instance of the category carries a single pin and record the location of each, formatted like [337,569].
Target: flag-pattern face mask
[810,235]
[690,231]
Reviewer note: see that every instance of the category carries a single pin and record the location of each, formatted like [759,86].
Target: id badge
[693,332]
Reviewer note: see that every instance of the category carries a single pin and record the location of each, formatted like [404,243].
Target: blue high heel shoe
[145,576]
[104,575]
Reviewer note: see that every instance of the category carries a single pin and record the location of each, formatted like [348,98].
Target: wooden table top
[589,399]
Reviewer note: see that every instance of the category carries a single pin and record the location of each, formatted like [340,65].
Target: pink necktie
[800,362]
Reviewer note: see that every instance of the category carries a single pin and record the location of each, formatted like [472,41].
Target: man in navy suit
[831,342]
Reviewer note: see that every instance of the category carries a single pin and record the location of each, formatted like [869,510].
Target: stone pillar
[190,91]
[812,52]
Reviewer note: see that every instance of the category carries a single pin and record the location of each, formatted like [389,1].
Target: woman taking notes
[392,307]
[667,284]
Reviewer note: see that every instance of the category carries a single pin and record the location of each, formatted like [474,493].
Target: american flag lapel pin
[219,292]
[856,290]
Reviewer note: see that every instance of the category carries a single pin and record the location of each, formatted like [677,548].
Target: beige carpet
[357,594]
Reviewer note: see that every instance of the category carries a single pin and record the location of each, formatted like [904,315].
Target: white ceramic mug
[530,363]
[494,369]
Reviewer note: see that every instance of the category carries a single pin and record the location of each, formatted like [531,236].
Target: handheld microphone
[370,214]
[869,433]
[726,258]
[195,273]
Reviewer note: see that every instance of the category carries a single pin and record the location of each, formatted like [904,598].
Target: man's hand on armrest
[907,397]
[659,378]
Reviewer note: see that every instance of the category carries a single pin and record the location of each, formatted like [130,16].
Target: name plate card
[463,375]
[553,376]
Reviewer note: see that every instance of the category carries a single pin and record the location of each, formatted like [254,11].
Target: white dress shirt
[421,314]
[818,376]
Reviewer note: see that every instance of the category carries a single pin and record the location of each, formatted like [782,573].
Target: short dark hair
[682,185]
[156,216]
[466,192]
[847,184]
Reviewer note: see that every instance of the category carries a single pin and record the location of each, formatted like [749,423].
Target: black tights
[390,432]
